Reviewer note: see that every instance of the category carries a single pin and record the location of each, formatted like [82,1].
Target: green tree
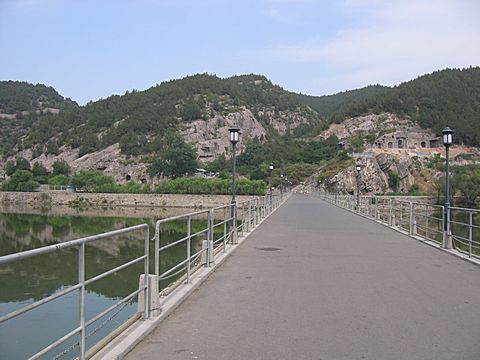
[192,111]
[21,180]
[60,167]
[52,148]
[27,186]
[393,180]
[469,187]
[22,164]
[92,181]
[177,159]
[21,176]
[59,180]
[10,168]
[39,170]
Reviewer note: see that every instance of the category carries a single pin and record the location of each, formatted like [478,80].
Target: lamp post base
[447,240]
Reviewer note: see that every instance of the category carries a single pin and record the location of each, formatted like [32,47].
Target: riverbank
[62,202]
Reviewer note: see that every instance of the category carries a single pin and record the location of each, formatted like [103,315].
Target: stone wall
[63,198]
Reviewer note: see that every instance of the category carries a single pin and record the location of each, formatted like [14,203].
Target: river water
[26,281]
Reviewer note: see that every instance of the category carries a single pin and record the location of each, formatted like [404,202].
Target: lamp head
[447,136]
[234,134]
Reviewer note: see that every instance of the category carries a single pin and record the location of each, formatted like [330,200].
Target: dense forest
[328,104]
[18,96]
[24,104]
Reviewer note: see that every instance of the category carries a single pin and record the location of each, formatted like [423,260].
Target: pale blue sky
[90,49]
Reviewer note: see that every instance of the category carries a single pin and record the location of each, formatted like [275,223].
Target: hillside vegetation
[450,96]
[22,105]
[139,120]
[328,104]
[19,96]
[150,126]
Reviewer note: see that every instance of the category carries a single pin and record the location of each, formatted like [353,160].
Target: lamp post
[335,179]
[270,170]
[234,138]
[447,141]
[357,172]
[281,185]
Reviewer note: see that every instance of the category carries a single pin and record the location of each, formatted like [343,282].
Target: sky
[91,49]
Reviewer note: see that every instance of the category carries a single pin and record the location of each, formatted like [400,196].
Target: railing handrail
[252,211]
[410,218]
[67,244]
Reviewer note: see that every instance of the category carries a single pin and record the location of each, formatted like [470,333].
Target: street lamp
[335,179]
[282,179]
[270,170]
[357,172]
[447,141]
[234,138]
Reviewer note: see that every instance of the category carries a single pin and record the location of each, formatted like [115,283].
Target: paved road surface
[317,282]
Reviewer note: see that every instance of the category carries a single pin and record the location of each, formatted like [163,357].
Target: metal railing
[465,225]
[214,233]
[422,220]
[215,230]
[80,286]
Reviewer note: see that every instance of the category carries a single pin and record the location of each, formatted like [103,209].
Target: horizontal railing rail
[465,225]
[82,283]
[422,220]
[221,228]
[205,233]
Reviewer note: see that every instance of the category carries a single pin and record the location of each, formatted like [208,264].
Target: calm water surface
[26,281]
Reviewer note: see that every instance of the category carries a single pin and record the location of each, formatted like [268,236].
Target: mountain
[139,120]
[138,127]
[17,97]
[328,104]
[126,134]
[450,96]
[23,104]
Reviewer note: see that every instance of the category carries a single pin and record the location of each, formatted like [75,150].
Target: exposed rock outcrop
[390,131]
[374,175]
[210,138]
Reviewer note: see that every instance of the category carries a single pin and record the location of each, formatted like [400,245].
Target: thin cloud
[397,40]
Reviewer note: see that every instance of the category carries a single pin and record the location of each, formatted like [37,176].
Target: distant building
[407,140]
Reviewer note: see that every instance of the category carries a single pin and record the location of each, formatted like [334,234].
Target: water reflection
[26,281]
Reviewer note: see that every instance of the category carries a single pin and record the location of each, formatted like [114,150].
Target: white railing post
[81,303]
[189,232]
[470,234]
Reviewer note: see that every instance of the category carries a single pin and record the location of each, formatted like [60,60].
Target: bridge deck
[317,282]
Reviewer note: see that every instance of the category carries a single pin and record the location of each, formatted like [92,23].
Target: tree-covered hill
[450,96]
[328,104]
[18,96]
[138,120]
[22,105]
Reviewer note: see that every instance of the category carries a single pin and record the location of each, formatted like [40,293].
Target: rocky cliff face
[374,175]
[362,125]
[209,137]
[388,130]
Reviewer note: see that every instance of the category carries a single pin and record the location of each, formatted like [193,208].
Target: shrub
[210,186]
[393,180]
[30,185]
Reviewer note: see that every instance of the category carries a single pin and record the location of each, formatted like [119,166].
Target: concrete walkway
[317,282]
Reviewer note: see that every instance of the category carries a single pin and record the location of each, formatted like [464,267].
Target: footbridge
[317,277]
[315,281]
